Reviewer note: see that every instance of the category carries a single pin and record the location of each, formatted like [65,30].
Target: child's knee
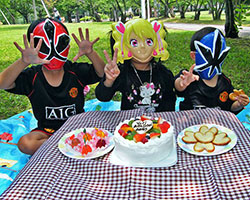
[23,143]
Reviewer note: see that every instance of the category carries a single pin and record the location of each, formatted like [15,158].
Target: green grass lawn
[236,66]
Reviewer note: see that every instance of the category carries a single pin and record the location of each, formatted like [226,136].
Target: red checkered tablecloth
[50,175]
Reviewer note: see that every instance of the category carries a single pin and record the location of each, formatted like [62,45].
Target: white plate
[69,152]
[218,149]
[168,162]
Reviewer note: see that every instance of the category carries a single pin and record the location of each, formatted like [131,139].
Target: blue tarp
[11,129]
[244,116]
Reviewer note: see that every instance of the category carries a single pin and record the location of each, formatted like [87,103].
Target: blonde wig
[143,29]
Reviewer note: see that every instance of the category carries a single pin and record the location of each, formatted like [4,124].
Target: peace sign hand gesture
[111,69]
[85,46]
[30,53]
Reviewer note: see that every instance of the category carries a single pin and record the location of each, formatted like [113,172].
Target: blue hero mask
[211,52]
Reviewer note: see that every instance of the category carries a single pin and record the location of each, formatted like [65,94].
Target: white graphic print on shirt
[60,113]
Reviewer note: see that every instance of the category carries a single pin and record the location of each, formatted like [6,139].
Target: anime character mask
[139,40]
[211,51]
[55,45]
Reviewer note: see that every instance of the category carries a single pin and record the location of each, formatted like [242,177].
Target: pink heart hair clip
[120,27]
[157,27]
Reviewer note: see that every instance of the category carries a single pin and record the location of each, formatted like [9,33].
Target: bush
[103,16]
[87,18]
[90,18]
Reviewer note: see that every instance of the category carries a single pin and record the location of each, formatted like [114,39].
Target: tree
[5,8]
[216,7]
[167,6]
[122,9]
[183,6]
[230,26]
[67,7]
[197,8]
[24,7]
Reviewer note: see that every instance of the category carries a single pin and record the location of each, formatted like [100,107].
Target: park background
[97,16]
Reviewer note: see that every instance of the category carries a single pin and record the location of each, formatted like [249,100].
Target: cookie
[203,129]
[233,96]
[221,139]
[199,147]
[189,137]
[204,137]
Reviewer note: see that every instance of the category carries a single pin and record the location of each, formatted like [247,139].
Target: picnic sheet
[51,175]
[13,128]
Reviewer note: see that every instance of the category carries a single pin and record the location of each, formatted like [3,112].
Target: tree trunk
[98,17]
[230,26]
[111,15]
[166,13]
[182,12]
[197,15]
[69,17]
[172,14]
[26,17]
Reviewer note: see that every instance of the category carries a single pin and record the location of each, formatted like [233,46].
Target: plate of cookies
[206,139]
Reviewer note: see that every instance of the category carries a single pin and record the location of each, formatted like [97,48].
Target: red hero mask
[55,45]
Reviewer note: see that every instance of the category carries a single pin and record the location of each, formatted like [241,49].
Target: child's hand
[85,46]
[111,69]
[30,53]
[243,99]
[188,77]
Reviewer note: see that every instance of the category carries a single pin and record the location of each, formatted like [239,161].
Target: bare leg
[30,142]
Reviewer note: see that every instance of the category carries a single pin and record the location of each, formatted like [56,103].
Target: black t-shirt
[158,96]
[200,94]
[53,105]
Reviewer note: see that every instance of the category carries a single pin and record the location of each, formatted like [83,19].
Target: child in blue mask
[204,85]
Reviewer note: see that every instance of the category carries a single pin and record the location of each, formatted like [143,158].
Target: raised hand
[188,77]
[243,99]
[85,46]
[30,53]
[111,69]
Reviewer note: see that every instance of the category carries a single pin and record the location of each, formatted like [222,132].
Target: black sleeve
[170,96]
[23,83]
[104,93]
[85,72]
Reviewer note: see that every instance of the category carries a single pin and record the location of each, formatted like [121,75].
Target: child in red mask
[55,87]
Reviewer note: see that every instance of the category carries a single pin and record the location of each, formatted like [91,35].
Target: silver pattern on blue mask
[211,52]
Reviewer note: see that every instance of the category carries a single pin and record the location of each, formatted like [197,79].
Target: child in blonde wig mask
[143,82]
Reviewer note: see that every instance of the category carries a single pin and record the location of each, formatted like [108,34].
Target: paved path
[245,32]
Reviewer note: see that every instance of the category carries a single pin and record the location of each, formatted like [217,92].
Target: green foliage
[90,18]
[103,16]
[87,18]
[240,15]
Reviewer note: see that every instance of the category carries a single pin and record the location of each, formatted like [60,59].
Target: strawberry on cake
[143,141]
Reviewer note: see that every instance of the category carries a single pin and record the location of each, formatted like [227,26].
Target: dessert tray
[96,152]
[219,149]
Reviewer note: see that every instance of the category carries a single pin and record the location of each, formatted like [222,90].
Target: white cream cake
[143,141]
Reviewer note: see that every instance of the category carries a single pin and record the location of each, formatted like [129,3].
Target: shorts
[47,131]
